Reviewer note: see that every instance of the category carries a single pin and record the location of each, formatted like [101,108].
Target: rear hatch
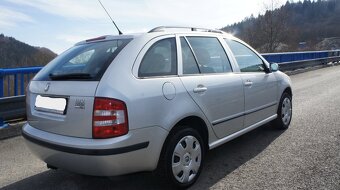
[60,97]
[66,107]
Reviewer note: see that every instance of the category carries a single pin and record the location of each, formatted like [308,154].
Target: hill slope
[14,53]
[292,27]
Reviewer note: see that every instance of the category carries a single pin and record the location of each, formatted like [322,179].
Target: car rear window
[83,62]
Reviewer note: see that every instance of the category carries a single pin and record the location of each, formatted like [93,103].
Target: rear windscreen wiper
[70,76]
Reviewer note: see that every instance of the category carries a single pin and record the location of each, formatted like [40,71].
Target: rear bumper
[82,151]
[136,151]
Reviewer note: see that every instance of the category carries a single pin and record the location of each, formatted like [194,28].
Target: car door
[207,76]
[260,85]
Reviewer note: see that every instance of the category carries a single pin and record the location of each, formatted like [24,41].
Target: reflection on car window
[82,58]
[160,59]
[247,60]
[210,55]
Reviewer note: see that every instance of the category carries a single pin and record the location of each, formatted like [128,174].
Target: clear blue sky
[58,24]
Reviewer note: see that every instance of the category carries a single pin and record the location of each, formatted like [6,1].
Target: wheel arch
[189,122]
[194,122]
[288,90]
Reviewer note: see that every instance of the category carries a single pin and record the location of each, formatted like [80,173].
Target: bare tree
[272,27]
[250,30]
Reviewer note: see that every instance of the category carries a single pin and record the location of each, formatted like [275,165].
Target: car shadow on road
[225,159]
[219,163]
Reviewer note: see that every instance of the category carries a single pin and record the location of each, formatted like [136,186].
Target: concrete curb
[14,129]
[298,71]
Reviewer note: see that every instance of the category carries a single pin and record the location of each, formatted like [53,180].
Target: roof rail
[163,28]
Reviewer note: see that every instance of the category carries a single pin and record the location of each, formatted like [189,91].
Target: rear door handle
[200,89]
[248,83]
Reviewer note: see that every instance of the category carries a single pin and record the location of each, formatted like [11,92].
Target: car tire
[182,158]
[284,112]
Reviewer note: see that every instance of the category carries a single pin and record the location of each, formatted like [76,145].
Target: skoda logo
[47,87]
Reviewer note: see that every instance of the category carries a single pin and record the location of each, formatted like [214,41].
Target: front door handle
[200,89]
[248,83]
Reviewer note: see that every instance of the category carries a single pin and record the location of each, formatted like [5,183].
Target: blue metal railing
[299,56]
[14,81]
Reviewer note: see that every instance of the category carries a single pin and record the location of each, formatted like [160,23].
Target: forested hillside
[307,25]
[14,53]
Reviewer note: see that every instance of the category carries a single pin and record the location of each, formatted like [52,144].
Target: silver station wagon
[156,101]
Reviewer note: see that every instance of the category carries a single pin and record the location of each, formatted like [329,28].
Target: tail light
[109,118]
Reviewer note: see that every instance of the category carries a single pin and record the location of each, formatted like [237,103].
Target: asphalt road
[306,156]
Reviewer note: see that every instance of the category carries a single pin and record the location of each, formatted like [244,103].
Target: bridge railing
[13,82]
[289,61]
[299,56]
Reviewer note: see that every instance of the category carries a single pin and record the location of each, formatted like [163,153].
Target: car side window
[210,55]
[246,59]
[160,59]
[189,62]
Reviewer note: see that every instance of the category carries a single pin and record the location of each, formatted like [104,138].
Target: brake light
[109,118]
[96,39]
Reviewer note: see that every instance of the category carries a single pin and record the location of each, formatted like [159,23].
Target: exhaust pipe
[51,167]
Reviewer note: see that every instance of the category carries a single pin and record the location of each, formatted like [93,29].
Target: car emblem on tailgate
[79,104]
[47,87]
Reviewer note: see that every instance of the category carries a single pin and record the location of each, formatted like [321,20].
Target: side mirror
[274,67]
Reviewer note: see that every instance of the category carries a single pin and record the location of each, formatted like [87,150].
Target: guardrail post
[16,85]
[1,83]
[9,86]
[22,84]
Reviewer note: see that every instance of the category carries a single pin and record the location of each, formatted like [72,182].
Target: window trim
[193,53]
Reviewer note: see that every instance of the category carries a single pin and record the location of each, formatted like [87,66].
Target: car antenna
[120,33]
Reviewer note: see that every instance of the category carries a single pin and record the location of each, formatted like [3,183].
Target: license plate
[52,105]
